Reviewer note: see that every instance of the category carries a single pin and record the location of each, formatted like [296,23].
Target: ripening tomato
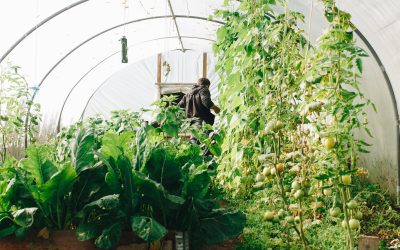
[329,142]
[279,167]
[346,179]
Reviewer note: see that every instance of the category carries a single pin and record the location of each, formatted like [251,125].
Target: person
[198,104]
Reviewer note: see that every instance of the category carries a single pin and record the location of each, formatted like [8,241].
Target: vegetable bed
[102,178]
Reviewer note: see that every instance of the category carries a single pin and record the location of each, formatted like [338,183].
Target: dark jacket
[197,103]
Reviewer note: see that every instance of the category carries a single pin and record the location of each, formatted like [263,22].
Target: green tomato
[297,219]
[266,171]
[289,219]
[281,213]
[327,191]
[260,178]
[268,215]
[352,204]
[335,212]
[299,194]
[358,215]
[354,224]
[296,185]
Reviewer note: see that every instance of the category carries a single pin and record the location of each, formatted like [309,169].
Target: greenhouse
[212,124]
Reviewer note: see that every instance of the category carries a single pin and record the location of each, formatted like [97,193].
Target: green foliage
[147,228]
[290,111]
[102,177]
[19,117]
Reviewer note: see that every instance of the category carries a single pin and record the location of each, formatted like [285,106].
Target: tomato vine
[290,111]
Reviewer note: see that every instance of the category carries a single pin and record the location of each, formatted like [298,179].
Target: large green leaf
[59,185]
[105,203]
[198,184]
[24,217]
[82,153]
[114,144]
[9,230]
[109,236]
[37,165]
[87,231]
[114,154]
[147,228]
[7,225]
[88,187]
[218,225]
[154,194]
[164,168]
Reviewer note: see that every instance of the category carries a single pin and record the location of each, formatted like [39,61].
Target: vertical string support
[124,40]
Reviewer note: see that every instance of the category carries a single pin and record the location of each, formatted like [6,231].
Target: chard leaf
[24,217]
[218,226]
[37,165]
[105,203]
[87,231]
[59,185]
[7,231]
[82,153]
[198,184]
[109,236]
[148,229]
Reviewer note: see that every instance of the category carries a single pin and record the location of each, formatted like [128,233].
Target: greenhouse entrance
[97,153]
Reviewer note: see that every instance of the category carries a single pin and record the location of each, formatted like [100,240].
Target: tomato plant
[290,109]
[19,117]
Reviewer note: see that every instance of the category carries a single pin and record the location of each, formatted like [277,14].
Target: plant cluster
[102,177]
[19,116]
[289,116]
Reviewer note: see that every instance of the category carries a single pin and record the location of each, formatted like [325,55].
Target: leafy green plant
[19,117]
[103,177]
[290,111]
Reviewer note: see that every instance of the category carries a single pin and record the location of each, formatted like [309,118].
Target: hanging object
[124,50]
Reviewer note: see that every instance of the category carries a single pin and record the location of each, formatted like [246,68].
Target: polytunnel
[71,52]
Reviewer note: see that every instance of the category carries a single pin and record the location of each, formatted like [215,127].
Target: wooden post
[159,59]
[204,65]
[368,242]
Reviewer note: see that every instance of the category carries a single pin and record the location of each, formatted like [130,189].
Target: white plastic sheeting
[130,87]
[150,34]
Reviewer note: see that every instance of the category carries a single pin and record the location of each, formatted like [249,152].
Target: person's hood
[196,88]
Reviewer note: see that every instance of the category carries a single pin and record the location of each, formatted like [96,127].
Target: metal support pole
[205,65]
[159,63]
[176,25]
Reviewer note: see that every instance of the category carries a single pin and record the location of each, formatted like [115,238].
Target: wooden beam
[204,65]
[159,59]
